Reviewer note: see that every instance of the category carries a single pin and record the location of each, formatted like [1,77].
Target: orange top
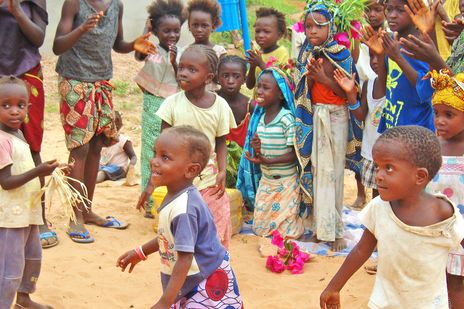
[320,93]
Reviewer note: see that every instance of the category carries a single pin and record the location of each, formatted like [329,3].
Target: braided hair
[209,53]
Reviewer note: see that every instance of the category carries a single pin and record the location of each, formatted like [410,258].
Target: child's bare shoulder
[442,208]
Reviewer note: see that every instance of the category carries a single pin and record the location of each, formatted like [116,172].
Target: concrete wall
[135,15]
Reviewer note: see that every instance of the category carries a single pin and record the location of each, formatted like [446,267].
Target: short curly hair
[164,8]
[233,59]
[281,23]
[211,7]
[420,144]
[197,144]
[13,80]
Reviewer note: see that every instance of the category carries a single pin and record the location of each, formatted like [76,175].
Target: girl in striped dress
[277,202]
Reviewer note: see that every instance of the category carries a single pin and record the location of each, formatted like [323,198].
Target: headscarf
[341,59]
[449,90]
[249,173]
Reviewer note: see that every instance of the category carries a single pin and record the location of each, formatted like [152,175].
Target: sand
[84,275]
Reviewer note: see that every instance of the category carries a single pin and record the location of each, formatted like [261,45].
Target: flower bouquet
[288,256]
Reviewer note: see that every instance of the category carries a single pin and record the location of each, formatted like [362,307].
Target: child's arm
[66,36]
[33,29]
[10,182]
[373,40]
[392,49]
[423,49]
[251,78]
[141,44]
[255,60]
[357,257]
[133,258]
[173,57]
[221,157]
[317,71]
[348,85]
[129,150]
[178,276]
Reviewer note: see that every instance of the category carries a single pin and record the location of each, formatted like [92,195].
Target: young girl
[320,97]
[270,27]
[195,269]
[448,106]
[22,33]
[277,202]
[413,230]
[231,76]
[209,113]
[117,160]
[87,33]
[368,111]
[204,16]
[158,76]
[20,216]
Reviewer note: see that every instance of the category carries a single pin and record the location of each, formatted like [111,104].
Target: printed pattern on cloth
[86,109]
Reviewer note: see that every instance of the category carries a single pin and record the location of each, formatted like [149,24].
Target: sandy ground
[85,276]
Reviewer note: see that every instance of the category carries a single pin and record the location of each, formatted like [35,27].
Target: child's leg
[220,208]
[33,258]
[361,196]
[455,290]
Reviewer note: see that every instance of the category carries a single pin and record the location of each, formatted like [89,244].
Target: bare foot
[23,301]
[359,203]
[339,244]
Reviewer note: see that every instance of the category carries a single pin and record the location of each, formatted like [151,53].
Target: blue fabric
[340,58]
[249,173]
[406,104]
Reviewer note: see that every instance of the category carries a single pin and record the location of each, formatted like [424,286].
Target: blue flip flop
[114,223]
[81,237]
[47,236]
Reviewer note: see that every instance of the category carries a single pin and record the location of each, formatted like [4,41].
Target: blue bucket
[230,15]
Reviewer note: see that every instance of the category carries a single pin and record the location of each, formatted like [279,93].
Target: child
[367,110]
[86,34]
[204,16]
[320,97]
[118,159]
[448,106]
[22,32]
[412,229]
[20,216]
[270,27]
[158,76]
[231,76]
[277,203]
[195,269]
[408,95]
[208,112]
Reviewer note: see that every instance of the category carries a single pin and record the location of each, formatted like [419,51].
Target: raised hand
[172,54]
[421,16]
[254,58]
[391,45]
[419,48]
[90,23]
[372,39]
[347,84]
[453,29]
[315,71]
[144,46]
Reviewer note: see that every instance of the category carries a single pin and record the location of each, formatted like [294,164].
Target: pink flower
[274,264]
[295,249]
[355,29]
[342,39]
[277,239]
[298,27]
[304,256]
[271,61]
[282,252]
[295,268]
[338,1]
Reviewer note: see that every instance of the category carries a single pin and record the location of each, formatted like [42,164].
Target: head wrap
[449,90]
[249,174]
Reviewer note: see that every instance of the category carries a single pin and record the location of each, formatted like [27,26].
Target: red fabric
[32,127]
[320,93]
[238,134]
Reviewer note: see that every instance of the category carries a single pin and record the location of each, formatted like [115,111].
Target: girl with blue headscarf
[268,174]
[322,123]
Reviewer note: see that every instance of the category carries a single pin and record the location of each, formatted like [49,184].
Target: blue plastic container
[230,15]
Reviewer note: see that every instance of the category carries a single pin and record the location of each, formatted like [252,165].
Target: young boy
[408,96]
[195,269]
[86,34]
[413,230]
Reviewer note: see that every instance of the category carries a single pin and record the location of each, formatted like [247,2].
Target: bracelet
[354,106]
[140,253]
